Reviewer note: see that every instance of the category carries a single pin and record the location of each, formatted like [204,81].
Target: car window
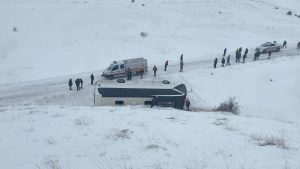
[122,66]
[115,67]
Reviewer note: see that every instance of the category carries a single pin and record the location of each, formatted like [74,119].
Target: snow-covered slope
[43,125]
[62,37]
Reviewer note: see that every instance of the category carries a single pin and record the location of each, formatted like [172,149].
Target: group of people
[166,66]
[79,82]
[238,55]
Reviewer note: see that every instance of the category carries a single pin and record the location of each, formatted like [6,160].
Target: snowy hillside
[44,125]
[63,37]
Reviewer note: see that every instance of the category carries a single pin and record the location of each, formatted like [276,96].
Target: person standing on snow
[187,104]
[77,82]
[166,65]
[228,60]
[70,84]
[181,67]
[225,50]
[215,62]
[245,55]
[154,70]
[81,83]
[181,58]
[223,62]
[284,44]
[92,79]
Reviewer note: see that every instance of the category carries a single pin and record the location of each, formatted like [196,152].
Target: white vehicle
[149,93]
[268,47]
[120,68]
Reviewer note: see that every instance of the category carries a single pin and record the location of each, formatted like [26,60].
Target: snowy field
[43,125]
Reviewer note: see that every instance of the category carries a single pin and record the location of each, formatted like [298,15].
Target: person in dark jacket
[223,62]
[245,55]
[128,74]
[256,55]
[166,65]
[181,58]
[181,67]
[70,84]
[298,46]
[142,73]
[187,104]
[270,53]
[154,70]
[92,79]
[215,62]
[228,60]
[236,55]
[225,50]
[284,44]
[77,82]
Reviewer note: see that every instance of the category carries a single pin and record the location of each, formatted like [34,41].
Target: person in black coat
[215,62]
[187,104]
[70,84]
[181,58]
[92,79]
[284,44]
[181,67]
[77,82]
[228,60]
[154,70]
[223,62]
[245,55]
[166,65]
[225,50]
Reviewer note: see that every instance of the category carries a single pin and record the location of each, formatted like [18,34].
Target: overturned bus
[149,93]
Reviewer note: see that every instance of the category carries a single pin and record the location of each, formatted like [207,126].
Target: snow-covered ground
[43,125]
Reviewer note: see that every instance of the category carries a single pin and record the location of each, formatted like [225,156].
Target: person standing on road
[225,50]
[245,55]
[269,55]
[215,62]
[166,65]
[92,79]
[228,60]
[181,58]
[81,83]
[154,70]
[181,67]
[223,62]
[70,83]
[187,104]
[298,46]
[284,44]
[77,82]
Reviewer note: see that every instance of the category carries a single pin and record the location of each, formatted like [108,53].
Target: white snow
[44,125]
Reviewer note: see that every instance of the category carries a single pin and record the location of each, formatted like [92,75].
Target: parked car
[268,47]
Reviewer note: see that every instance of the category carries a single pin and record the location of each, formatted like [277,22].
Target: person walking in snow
[181,67]
[181,58]
[284,44]
[166,65]
[228,60]
[256,55]
[70,84]
[236,55]
[187,104]
[245,55]
[215,62]
[92,79]
[77,82]
[269,55]
[223,62]
[128,74]
[225,50]
[298,46]
[154,70]
[142,73]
